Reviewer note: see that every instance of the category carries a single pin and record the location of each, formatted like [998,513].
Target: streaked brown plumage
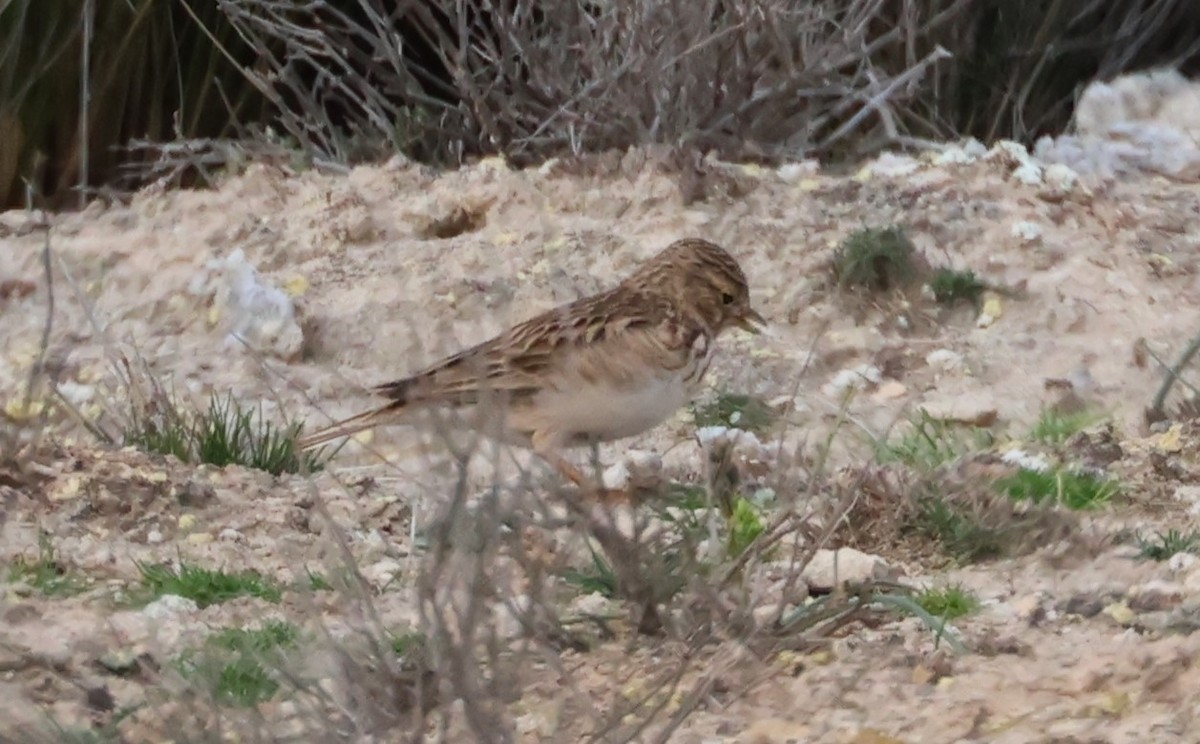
[601,368]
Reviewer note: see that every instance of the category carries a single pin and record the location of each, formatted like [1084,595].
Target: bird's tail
[346,427]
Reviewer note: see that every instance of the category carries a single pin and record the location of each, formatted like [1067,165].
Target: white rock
[828,568]
[944,360]
[1026,231]
[1029,173]
[1188,494]
[75,392]
[793,172]
[616,476]
[1061,177]
[891,164]
[636,467]
[258,315]
[154,537]
[169,605]
[962,153]
[855,378]
[1181,563]
[229,534]
[715,435]
[594,604]
[1022,459]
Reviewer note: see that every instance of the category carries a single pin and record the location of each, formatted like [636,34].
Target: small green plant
[203,586]
[45,573]
[875,260]
[1053,428]
[244,682]
[745,525]
[1070,488]
[950,287]
[928,442]
[1162,545]
[685,496]
[948,602]
[234,662]
[273,634]
[406,644]
[599,578]
[317,582]
[225,434]
[958,531]
[736,410]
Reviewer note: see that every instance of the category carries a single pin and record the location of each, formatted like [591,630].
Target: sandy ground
[1096,273]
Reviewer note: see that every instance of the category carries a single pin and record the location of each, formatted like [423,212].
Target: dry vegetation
[177,92]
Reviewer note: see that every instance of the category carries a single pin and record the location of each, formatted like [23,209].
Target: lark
[599,369]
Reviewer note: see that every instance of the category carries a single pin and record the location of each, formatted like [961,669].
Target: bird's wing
[515,363]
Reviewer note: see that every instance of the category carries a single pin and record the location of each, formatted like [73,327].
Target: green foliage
[735,410]
[1162,545]
[958,530]
[875,260]
[45,573]
[234,662]
[950,287]
[407,644]
[244,682]
[1070,488]
[928,442]
[317,582]
[1054,428]
[203,586]
[599,578]
[685,496]
[948,602]
[225,434]
[745,525]
[272,634]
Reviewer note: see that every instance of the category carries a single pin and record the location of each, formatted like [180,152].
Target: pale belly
[603,398]
[604,413]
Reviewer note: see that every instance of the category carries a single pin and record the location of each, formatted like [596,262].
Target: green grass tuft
[244,682]
[233,662]
[1070,488]
[1162,545]
[928,443]
[599,578]
[203,586]
[1053,428]
[950,287]
[273,634]
[406,644]
[735,410]
[225,434]
[948,602]
[317,582]
[46,574]
[957,530]
[875,260]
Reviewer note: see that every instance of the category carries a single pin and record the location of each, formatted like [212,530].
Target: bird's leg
[543,447]
[621,549]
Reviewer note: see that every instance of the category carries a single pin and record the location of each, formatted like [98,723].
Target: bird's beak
[748,320]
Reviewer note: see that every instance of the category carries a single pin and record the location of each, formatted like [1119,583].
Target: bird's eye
[727,298]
